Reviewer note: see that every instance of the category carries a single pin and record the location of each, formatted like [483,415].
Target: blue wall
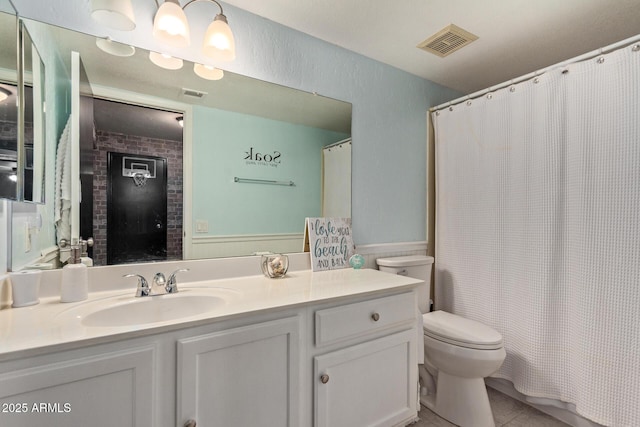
[223,140]
[389,126]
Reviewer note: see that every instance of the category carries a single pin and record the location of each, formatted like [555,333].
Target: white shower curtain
[538,230]
[336,180]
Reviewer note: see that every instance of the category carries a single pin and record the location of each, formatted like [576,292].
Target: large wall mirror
[174,164]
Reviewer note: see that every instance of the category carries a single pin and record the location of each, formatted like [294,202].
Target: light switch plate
[202,226]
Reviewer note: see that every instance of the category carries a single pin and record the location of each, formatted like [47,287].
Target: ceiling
[516,37]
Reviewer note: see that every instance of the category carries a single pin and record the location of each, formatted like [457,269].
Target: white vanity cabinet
[114,388]
[371,378]
[334,349]
[246,376]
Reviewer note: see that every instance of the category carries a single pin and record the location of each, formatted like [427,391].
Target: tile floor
[507,412]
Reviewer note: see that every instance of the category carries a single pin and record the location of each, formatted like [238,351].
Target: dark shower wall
[131,144]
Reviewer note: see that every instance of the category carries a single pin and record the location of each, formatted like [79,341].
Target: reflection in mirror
[242,139]
[8,120]
[8,108]
[32,137]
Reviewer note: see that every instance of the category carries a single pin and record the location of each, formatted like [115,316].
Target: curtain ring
[600,60]
[636,47]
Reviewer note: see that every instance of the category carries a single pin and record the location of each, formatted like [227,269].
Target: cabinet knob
[190,423]
[324,378]
[375,317]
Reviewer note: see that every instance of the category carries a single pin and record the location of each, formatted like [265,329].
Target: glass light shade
[116,14]
[218,42]
[165,61]
[114,48]
[208,72]
[170,25]
[4,94]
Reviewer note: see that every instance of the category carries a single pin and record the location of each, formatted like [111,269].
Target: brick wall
[130,144]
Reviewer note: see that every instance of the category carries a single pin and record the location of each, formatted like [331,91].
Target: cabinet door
[246,376]
[113,389]
[370,384]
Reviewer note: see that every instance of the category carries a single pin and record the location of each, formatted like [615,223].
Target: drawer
[352,320]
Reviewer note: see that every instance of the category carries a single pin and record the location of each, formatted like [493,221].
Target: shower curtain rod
[584,57]
[344,141]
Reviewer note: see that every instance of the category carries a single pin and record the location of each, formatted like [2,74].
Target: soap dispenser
[75,278]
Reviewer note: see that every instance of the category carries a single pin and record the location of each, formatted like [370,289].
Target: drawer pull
[324,378]
[375,317]
[190,423]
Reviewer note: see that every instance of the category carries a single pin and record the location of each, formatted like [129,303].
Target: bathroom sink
[126,310]
[153,309]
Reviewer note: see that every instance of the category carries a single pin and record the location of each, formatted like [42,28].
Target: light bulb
[170,25]
[208,72]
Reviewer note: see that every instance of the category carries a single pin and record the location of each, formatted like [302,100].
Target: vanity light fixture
[4,94]
[116,14]
[165,61]
[114,48]
[180,120]
[170,26]
[208,72]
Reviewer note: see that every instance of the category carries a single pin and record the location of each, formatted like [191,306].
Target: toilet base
[462,401]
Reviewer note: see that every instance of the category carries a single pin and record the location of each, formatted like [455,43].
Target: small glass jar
[274,265]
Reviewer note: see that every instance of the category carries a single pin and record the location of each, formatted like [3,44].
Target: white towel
[62,199]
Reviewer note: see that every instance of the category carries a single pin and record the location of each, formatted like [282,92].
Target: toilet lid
[457,330]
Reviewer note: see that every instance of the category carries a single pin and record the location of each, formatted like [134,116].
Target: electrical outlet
[202,226]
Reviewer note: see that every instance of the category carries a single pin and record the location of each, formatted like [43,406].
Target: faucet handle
[159,279]
[143,289]
[172,282]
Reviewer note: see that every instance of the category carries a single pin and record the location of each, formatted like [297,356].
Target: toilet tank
[416,267]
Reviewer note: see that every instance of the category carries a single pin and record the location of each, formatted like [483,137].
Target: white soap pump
[75,278]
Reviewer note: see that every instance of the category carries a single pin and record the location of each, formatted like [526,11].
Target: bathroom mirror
[22,104]
[252,152]
[8,103]
[31,120]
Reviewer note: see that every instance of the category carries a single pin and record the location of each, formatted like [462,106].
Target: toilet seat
[458,331]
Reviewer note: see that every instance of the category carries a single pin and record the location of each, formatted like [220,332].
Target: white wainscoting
[242,245]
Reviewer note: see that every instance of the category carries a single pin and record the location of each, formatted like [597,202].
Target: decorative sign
[257,158]
[329,241]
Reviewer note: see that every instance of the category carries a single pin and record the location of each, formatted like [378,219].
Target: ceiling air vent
[194,93]
[447,41]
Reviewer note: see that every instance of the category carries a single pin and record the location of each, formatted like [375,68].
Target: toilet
[459,353]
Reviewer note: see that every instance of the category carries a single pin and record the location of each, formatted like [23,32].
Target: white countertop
[48,326]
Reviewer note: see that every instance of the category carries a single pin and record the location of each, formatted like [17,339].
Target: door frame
[123,96]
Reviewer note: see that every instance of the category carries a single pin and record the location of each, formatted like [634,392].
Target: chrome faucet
[172,283]
[143,289]
[167,286]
